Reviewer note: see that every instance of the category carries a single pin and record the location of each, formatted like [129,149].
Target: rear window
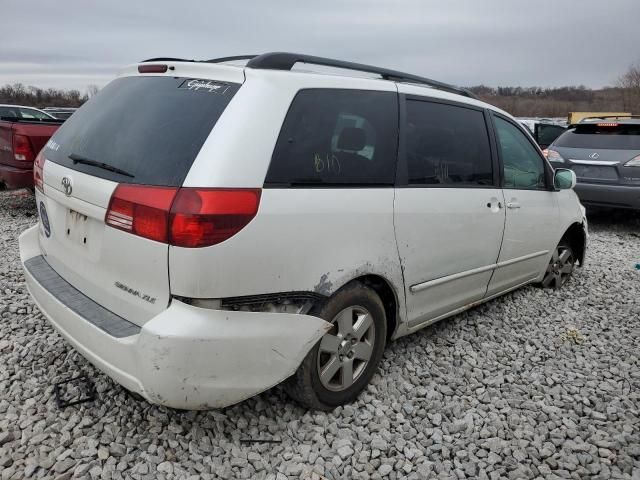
[337,137]
[619,137]
[145,130]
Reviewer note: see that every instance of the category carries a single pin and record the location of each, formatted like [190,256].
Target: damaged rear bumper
[186,357]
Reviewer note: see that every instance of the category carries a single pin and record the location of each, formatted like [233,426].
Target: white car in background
[544,130]
[208,231]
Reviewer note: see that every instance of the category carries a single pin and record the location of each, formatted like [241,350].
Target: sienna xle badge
[208,231]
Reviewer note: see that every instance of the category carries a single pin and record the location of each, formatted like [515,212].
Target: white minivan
[207,230]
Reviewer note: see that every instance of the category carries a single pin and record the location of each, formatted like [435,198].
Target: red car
[23,133]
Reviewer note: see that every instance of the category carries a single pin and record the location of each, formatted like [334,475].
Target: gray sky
[75,43]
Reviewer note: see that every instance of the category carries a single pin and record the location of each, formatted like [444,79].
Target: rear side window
[612,136]
[338,138]
[447,145]
[146,130]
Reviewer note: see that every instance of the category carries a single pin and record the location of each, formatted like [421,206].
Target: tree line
[19,94]
[519,101]
[558,102]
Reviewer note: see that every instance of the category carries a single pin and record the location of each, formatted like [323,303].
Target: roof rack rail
[286,61]
[213,60]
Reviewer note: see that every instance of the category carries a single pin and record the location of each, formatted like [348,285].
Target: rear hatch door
[137,131]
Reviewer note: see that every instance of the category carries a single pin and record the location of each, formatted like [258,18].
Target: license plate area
[595,172]
[76,228]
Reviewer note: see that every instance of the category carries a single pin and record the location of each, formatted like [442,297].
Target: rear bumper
[185,357]
[612,196]
[14,177]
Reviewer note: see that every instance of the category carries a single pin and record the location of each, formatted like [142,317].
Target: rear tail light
[141,210]
[22,149]
[553,156]
[183,217]
[38,172]
[634,162]
[203,217]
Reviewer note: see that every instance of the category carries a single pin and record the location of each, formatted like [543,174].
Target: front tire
[341,364]
[560,268]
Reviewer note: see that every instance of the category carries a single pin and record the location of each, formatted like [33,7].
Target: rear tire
[560,268]
[343,361]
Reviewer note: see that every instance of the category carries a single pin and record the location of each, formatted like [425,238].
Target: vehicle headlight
[634,162]
[553,156]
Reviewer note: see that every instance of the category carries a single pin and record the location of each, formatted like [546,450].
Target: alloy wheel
[345,351]
[560,267]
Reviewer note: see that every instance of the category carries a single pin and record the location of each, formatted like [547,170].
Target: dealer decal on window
[208,86]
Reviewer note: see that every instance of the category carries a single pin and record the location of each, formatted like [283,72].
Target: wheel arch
[388,295]
[576,236]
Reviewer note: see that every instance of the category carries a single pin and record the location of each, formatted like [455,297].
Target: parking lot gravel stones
[537,384]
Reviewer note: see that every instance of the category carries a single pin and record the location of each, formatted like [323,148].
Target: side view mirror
[564,179]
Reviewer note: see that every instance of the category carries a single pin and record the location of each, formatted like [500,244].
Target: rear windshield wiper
[104,166]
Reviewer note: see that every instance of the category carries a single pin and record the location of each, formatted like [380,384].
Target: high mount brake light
[608,124]
[153,68]
[22,149]
[38,172]
[182,217]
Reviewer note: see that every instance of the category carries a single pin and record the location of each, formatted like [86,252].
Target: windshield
[616,137]
[152,128]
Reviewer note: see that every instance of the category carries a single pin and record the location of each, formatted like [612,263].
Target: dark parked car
[605,155]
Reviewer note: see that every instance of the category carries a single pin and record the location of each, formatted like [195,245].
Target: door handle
[513,205]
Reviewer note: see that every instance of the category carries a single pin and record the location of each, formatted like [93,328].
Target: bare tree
[37,97]
[629,83]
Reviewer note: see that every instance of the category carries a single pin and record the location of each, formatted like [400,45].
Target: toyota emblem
[66,185]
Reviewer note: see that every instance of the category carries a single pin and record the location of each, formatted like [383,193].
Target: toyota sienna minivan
[207,230]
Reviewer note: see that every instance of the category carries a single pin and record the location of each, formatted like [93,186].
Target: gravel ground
[536,384]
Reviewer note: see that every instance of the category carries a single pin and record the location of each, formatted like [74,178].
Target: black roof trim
[213,60]
[230,59]
[286,61]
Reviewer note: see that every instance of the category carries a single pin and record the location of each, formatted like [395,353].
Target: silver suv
[604,152]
